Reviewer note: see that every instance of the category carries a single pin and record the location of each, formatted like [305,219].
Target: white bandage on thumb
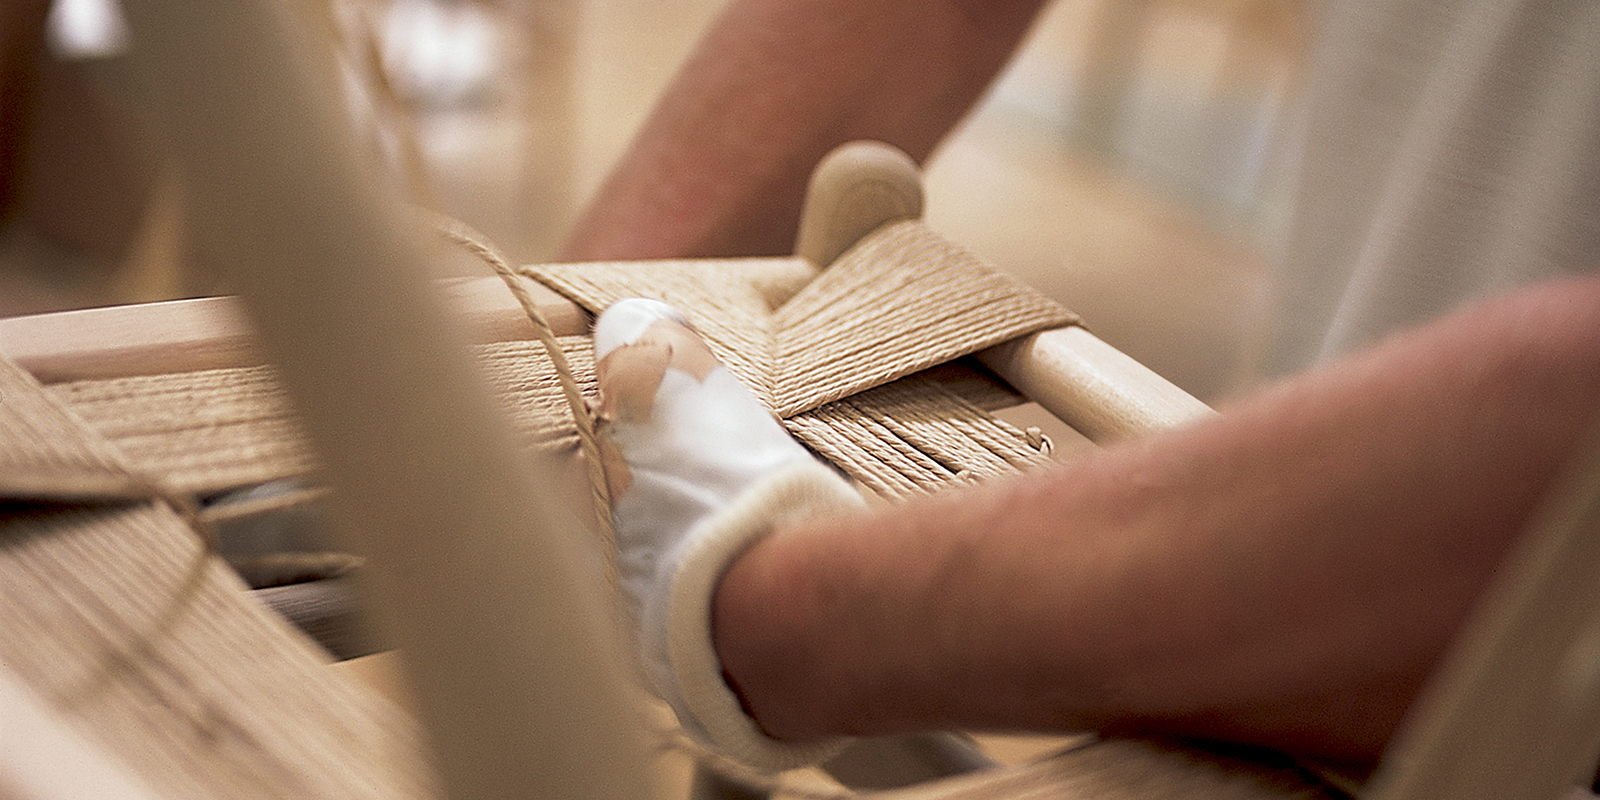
[710,471]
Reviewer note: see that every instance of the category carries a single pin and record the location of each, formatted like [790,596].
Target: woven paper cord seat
[209,430]
[883,404]
[116,616]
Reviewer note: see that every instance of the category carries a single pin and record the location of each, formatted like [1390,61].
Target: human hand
[698,471]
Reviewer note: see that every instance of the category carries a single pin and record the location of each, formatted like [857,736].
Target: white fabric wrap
[712,471]
[693,678]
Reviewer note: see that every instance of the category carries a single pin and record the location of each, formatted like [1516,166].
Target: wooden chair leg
[325,262]
[856,189]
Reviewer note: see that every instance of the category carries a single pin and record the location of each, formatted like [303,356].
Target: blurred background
[1123,165]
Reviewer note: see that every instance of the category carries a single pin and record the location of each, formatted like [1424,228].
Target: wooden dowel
[205,333]
[1085,382]
[1088,384]
[858,188]
[122,341]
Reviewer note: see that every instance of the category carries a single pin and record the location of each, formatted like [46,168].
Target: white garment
[1449,149]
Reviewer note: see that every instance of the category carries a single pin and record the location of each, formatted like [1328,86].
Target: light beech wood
[428,483]
[858,187]
[1090,385]
[1085,382]
[204,333]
